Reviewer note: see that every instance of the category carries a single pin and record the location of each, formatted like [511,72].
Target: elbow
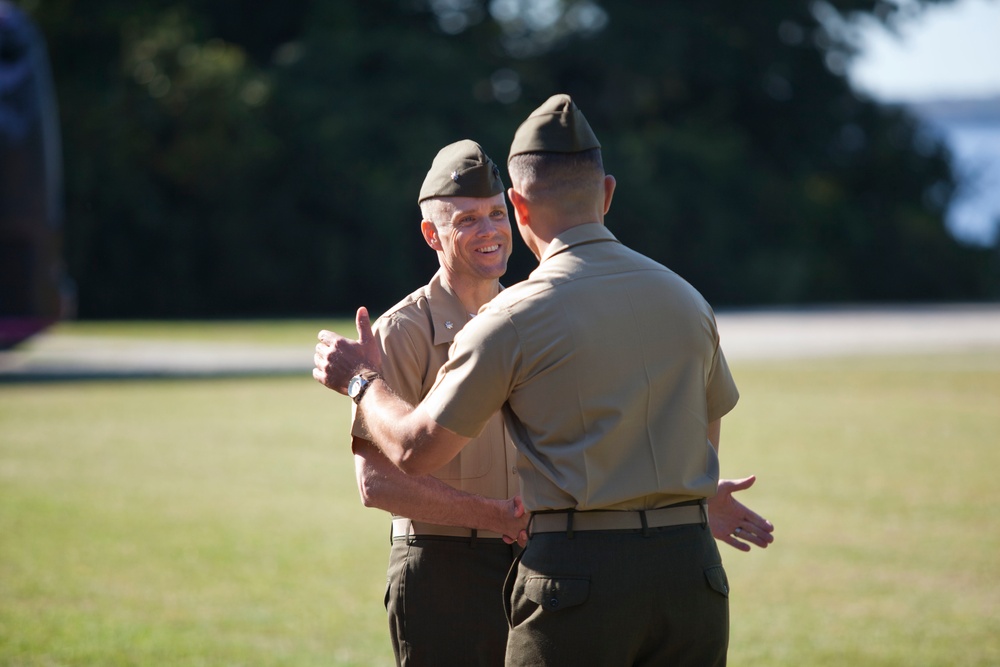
[367,492]
[412,464]
[370,485]
[420,453]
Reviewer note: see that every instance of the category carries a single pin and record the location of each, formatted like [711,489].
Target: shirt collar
[448,315]
[591,232]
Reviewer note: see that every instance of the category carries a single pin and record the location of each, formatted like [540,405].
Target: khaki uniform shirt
[608,368]
[415,335]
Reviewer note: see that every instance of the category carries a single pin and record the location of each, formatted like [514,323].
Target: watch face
[355,385]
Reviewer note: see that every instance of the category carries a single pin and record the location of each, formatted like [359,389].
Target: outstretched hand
[338,359]
[732,521]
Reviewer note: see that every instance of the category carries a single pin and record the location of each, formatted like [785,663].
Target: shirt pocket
[476,458]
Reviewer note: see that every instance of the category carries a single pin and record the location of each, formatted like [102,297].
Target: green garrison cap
[558,126]
[461,169]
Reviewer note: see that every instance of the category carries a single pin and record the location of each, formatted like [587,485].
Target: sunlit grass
[878,475]
[179,522]
[216,522]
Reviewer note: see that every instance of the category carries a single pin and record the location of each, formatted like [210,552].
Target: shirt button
[513,470]
[554,602]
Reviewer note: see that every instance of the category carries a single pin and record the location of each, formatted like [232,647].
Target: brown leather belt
[402,527]
[569,522]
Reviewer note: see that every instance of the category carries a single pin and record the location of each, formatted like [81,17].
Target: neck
[540,217]
[473,294]
[544,231]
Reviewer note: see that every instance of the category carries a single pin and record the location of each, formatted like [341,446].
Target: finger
[743,514]
[735,543]
[760,541]
[319,376]
[759,524]
[364,326]
[751,517]
[755,520]
[764,536]
[761,538]
[326,336]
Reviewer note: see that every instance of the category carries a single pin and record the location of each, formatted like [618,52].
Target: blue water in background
[974,216]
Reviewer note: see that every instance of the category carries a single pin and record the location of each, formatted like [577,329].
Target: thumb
[518,507]
[742,484]
[364,326]
[366,339]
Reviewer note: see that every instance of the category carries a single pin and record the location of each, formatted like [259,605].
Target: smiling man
[448,558]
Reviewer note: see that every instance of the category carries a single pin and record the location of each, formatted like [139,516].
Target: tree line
[238,159]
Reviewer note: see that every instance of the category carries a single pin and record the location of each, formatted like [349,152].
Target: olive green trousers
[619,598]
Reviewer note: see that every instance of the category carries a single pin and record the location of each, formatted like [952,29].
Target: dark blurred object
[34,291]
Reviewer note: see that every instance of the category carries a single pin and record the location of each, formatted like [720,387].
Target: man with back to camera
[453,228]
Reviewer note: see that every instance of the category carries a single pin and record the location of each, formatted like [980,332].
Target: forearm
[407,436]
[390,421]
[425,498]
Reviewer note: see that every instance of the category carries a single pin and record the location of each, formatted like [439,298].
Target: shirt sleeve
[478,377]
[721,389]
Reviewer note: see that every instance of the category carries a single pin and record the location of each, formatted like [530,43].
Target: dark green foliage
[233,159]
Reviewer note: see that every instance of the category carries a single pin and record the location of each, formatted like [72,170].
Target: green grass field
[216,522]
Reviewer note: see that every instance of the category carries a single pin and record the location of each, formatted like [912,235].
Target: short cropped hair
[436,210]
[556,172]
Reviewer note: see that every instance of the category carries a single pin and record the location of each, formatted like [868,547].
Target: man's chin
[493,272]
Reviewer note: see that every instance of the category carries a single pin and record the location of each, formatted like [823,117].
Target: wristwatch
[358,385]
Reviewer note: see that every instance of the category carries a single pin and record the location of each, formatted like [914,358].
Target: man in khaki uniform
[568,447]
[448,558]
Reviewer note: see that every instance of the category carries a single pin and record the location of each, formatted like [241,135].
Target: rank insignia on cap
[461,169]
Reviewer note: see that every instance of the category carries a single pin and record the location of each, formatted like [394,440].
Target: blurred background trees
[228,158]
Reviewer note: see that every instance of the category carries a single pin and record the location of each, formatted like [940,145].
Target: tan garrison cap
[461,169]
[558,126]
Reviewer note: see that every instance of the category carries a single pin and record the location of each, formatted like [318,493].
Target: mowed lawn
[216,522]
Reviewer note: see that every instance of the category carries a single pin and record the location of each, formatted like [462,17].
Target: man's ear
[429,231]
[520,206]
[609,191]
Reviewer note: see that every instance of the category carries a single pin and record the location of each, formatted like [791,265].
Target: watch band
[368,377]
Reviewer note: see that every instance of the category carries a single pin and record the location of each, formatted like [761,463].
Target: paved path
[58,356]
[777,334]
[750,334]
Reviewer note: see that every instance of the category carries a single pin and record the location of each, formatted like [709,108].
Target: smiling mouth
[488,249]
